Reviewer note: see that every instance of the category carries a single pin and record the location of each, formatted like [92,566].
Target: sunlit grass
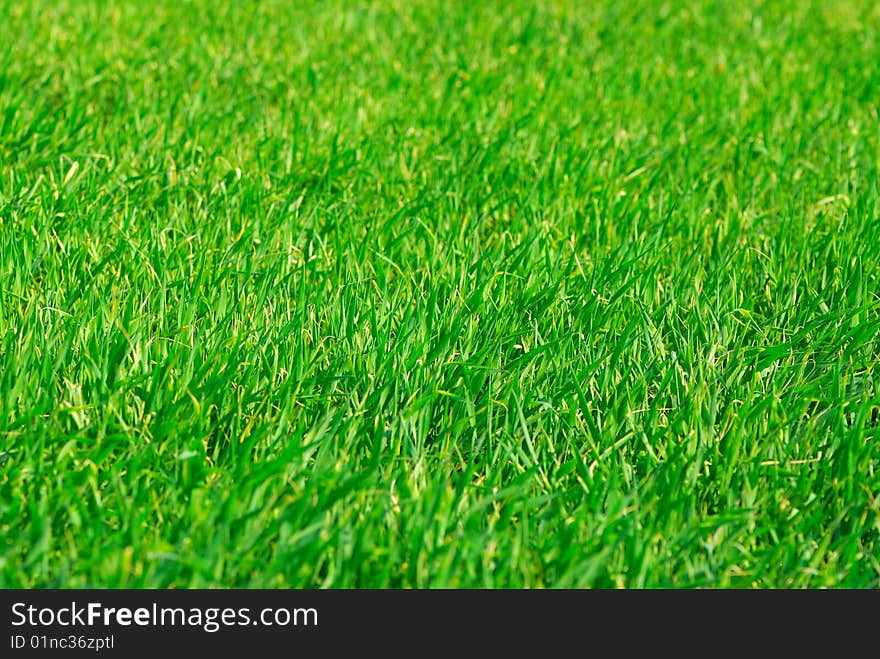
[430,294]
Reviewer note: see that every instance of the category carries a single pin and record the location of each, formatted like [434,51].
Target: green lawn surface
[439,294]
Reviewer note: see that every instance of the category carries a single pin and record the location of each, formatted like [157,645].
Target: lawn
[439,294]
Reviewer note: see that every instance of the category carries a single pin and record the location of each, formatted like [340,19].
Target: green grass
[432,294]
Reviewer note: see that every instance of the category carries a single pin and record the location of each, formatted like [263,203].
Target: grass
[431,294]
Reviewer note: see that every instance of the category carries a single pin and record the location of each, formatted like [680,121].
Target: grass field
[439,294]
